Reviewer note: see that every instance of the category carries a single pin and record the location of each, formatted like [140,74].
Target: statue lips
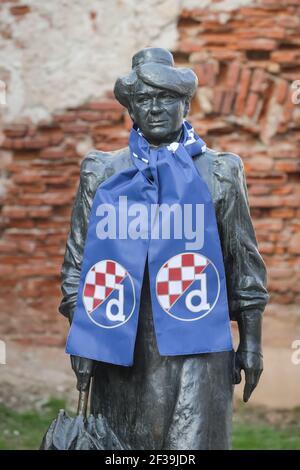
[157,123]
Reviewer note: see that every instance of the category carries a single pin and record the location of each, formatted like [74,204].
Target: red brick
[252,103]
[17,130]
[256,13]
[282,190]
[216,39]
[243,91]
[296,226]
[89,116]
[27,177]
[39,212]
[284,150]
[27,246]
[218,100]
[294,245]
[287,110]
[281,91]
[56,138]
[259,190]
[34,143]
[268,224]
[36,269]
[127,122]
[199,70]
[189,46]
[281,285]
[104,105]
[283,298]
[287,166]
[13,212]
[266,201]
[37,287]
[7,144]
[285,56]
[291,200]
[233,74]
[221,54]
[19,223]
[266,247]
[211,71]
[66,117]
[55,153]
[228,101]
[6,270]
[288,21]
[51,199]
[20,10]
[259,164]
[279,273]
[8,246]
[258,82]
[259,44]
[75,128]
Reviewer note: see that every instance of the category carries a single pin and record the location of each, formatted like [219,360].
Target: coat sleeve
[244,267]
[90,177]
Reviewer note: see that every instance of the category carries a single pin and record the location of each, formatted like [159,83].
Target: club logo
[106,286]
[188,286]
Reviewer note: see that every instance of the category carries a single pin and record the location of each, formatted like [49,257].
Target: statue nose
[155,106]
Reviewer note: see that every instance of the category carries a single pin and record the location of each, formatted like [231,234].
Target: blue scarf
[158,209]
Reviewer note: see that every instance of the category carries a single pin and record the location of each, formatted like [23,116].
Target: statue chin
[159,135]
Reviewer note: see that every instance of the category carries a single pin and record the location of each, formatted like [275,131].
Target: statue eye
[142,99]
[168,97]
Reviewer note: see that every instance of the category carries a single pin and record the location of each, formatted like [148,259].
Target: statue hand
[251,362]
[84,370]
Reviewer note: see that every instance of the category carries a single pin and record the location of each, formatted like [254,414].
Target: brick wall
[245,60]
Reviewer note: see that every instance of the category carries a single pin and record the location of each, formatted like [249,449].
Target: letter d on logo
[119,316]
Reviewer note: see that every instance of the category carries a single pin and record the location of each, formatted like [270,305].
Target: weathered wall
[60,53]
[59,67]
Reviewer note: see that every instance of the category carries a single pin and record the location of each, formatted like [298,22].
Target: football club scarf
[161,210]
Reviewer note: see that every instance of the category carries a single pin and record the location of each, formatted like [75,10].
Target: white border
[134,301]
[217,297]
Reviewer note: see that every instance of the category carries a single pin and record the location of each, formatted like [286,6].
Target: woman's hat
[155,66]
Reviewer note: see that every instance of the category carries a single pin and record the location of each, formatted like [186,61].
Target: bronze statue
[178,402]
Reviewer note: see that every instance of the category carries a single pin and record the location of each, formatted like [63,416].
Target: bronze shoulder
[97,166]
[222,171]
[229,161]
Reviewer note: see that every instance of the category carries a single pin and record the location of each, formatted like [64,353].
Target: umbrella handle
[83,402]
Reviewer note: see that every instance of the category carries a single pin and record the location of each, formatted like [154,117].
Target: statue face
[158,113]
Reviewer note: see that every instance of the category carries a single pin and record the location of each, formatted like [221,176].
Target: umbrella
[80,432]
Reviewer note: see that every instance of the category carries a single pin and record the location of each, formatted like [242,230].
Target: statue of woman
[179,401]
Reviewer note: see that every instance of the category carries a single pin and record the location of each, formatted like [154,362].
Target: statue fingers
[251,377]
[84,369]
[83,381]
[237,368]
[248,389]
[237,376]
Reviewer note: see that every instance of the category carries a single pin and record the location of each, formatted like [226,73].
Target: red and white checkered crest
[100,282]
[175,277]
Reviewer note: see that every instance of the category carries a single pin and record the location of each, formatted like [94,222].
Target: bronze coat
[181,402]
